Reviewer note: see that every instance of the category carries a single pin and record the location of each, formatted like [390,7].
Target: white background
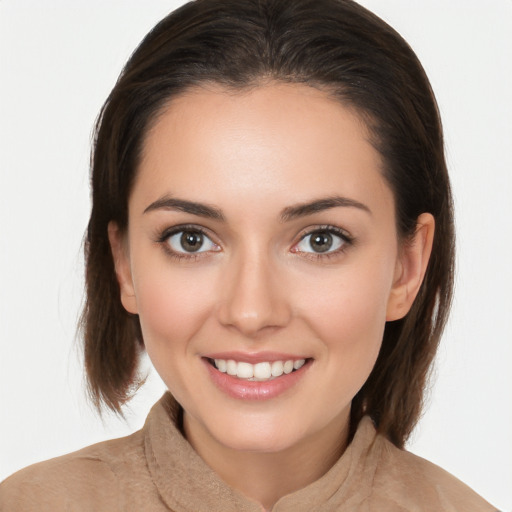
[59,60]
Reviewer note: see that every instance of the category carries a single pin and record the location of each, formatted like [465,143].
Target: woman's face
[261,231]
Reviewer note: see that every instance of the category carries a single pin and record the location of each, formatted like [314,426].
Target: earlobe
[122,267]
[411,267]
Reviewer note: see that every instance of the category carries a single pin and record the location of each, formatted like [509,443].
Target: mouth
[256,376]
[263,371]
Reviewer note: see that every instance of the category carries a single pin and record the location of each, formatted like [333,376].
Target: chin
[256,434]
[259,442]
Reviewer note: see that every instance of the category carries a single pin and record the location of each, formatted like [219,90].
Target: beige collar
[187,484]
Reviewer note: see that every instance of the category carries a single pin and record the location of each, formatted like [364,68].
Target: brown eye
[320,241]
[190,241]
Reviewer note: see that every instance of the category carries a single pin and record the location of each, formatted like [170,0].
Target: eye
[190,241]
[321,241]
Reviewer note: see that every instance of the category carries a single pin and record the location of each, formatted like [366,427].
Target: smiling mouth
[260,372]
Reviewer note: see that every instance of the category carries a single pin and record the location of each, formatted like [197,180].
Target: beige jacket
[156,470]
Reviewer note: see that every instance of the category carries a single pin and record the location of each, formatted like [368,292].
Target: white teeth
[277,369]
[260,371]
[221,365]
[298,364]
[231,367]
[288,367]
[245,371]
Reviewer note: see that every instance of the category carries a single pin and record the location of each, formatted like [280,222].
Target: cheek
[352,323]
[348,313]
[172,306]
[351,328]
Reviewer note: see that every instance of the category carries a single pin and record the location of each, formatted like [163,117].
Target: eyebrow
[304,209]
[181,205]
[287,214]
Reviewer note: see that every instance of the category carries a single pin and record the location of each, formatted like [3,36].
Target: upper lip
[254,357]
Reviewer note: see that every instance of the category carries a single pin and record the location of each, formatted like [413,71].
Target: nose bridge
[252,299]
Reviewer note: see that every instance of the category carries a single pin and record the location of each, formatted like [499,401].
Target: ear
[122,266]
[411,267]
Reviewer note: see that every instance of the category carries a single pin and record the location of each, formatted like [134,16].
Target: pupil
[321,242]
[191,241]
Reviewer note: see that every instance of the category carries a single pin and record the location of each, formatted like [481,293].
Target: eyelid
[344,235]
[163,237]
[164,234]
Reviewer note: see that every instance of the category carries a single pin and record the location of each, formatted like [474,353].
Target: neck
[265,477]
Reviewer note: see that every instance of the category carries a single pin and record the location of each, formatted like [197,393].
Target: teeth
[245,371]
[221,365]
[298,364]
[288,367]
[277,369]
[260,371]
[231,367]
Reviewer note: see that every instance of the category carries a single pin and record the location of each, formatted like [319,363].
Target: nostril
[252,301]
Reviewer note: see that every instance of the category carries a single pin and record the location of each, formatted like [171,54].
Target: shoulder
[408,481]
[89,479]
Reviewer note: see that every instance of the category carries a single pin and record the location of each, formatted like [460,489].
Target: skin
[259,285]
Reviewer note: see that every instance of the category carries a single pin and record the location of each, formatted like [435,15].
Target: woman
[272,223]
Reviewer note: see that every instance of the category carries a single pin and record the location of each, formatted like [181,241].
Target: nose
[253,298]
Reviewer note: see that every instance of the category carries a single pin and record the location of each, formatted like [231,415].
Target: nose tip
[253,301]
[251,323]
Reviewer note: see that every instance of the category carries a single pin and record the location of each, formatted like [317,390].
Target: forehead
[282,141]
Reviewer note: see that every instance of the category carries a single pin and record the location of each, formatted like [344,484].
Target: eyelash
[163,239]
[347,242]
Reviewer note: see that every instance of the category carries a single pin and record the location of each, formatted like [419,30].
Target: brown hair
[336,45]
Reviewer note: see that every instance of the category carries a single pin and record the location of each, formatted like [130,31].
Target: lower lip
[250,390]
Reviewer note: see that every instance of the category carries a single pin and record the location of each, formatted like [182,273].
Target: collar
[187,484]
